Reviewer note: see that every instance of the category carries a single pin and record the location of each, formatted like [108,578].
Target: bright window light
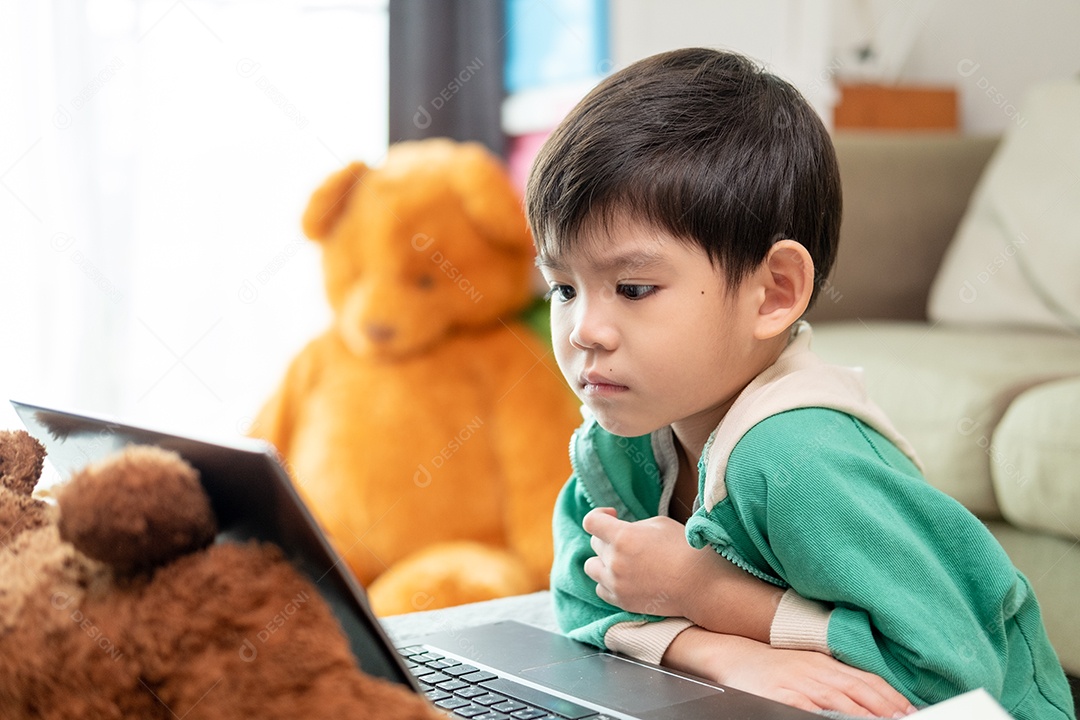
[155,159]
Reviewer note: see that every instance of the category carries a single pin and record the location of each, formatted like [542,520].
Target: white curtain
[155,159]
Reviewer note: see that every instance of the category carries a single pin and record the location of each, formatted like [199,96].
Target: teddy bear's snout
[379,333]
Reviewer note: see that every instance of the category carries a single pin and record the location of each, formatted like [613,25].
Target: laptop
[495,671]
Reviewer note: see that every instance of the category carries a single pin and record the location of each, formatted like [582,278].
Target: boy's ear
[787,278]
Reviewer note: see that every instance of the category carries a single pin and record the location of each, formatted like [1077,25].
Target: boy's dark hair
[702,144]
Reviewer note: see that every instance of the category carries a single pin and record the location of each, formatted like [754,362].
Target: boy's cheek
[560,336]
[563,358]
[564,352]
[566,368]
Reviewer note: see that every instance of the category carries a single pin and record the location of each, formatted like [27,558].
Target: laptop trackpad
[619,684]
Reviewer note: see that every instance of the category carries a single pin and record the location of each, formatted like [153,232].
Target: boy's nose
[592,329]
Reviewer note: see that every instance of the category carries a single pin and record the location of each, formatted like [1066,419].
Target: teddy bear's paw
[137,509]
[447,574]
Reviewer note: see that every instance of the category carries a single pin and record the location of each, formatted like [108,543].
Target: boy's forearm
[734,606]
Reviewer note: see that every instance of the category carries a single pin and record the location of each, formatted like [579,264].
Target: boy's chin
[623,427]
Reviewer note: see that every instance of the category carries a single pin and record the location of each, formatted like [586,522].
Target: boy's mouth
[596,384]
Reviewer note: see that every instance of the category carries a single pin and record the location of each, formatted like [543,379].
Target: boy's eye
[635,292]
[560,293]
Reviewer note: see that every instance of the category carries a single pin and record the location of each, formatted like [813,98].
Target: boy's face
[647,333]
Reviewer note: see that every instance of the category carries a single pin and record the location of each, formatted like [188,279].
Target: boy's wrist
[704,653]
[646,641]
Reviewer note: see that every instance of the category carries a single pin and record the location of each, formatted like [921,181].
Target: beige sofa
[994,414]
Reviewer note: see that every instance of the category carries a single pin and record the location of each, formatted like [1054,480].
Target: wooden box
[896,107]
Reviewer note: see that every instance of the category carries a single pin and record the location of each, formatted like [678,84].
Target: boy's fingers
[830,698]
[593,568]
[890,699]
[601,512]
[877,696]
[600,521]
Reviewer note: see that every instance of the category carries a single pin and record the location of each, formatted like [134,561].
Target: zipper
[726,551]
[736,560]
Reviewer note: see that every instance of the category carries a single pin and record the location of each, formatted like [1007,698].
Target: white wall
[991,51]
[791,36]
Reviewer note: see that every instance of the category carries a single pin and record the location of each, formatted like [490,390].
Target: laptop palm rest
[617,683]
[579,671]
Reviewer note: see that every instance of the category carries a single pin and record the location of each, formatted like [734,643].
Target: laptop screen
[253,499]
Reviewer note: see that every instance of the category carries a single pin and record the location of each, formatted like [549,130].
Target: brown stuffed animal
[428,427]
[114,606]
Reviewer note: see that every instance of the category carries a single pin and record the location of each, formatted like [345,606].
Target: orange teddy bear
[428,426]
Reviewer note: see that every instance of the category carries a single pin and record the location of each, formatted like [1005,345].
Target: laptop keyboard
[469,692]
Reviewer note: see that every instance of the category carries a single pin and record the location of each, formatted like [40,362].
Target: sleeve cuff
[644,640]
[800,624]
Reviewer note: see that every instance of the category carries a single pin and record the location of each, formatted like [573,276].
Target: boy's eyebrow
[546,261]
[637,260]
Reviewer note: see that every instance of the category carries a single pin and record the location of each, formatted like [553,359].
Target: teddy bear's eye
[425,282]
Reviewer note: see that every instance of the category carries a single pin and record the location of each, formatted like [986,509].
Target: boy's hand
[801,678]
[643,567]
[648,567]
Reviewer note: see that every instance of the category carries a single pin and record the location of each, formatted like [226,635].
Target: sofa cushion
[946,389]
[904,195]
[1016,255]
[1052,564]
[1036,458]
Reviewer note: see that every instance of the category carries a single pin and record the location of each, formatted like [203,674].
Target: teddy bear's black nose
[379,333]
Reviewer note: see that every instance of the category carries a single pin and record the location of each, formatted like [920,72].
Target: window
[155,159]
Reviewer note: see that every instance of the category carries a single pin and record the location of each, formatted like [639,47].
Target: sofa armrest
[904,196]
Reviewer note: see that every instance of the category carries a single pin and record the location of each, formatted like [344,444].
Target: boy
[738,509]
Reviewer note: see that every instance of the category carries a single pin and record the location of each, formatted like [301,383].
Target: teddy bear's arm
[276,421]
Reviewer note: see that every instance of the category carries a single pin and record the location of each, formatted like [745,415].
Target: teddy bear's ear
[490,199]
[329,201]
